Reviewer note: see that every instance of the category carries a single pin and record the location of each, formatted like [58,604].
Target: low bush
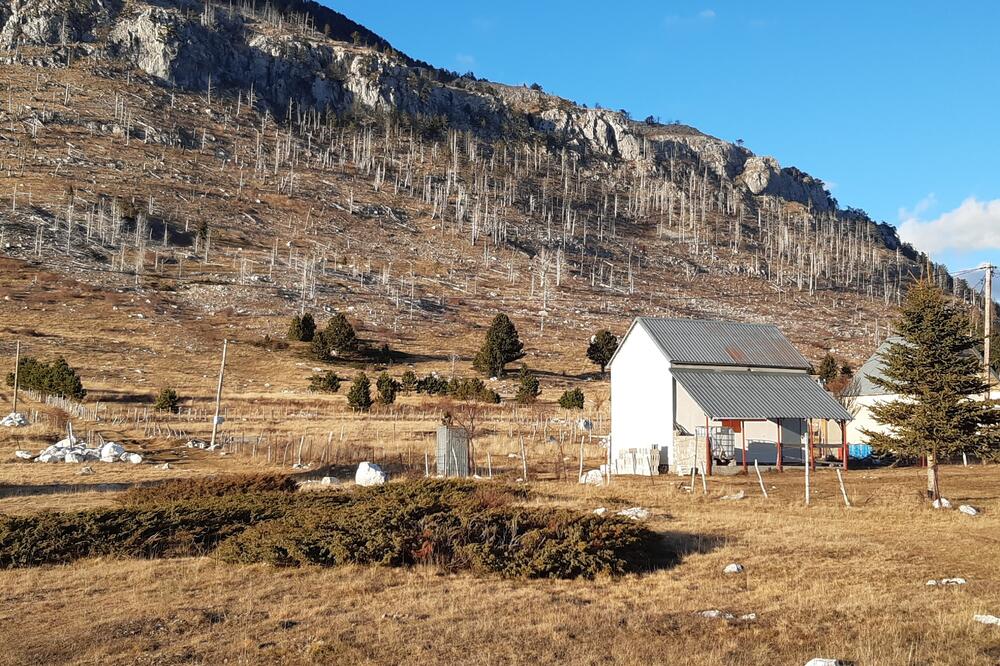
[54,378]
[325,382]
[454,525]
[167,401]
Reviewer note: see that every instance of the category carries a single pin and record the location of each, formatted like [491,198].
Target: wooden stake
[218,394]
[760,478]
[524,461]
[843,490]
[17,364]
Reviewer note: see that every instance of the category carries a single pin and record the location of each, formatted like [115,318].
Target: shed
[708,392]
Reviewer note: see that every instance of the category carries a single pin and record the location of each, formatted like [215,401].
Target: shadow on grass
[670,548]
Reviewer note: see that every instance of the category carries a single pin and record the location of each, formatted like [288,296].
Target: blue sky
[895,105]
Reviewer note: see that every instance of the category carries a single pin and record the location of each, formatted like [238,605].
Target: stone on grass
[822,661]
[600,511]
[24,455]
[165,466]
[716,614]
[14,420]
[73,457]
[635,513]
[733,568]
[947,581]
[86,471]
[941,504]
[969,510]
[987,619]
[735,496]
[134,458]
[370,474]
[112,452]
[330,481]
[592,477]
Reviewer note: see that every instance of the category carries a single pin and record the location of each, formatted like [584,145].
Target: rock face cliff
[189,44]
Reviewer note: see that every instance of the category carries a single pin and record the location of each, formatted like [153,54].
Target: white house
[863,393]
[679,385]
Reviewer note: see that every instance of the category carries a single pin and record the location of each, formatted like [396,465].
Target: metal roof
[863,383]
[726,343]
[728,394]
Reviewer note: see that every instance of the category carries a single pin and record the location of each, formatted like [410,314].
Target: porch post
[809,458]
[708,450]
[743,434]
[845,452]
[780,467]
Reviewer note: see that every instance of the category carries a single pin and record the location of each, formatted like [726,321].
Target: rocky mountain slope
[260,158]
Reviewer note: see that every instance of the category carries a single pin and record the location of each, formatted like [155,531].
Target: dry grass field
[823,580]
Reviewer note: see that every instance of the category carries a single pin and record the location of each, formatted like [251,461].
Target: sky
[894,105]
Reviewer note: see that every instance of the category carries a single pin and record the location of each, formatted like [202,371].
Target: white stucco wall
[641,399]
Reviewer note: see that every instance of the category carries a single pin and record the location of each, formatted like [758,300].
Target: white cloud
[974,225]
[707,14]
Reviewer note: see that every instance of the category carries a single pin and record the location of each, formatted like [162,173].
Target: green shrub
[167,401]
[360,395]
[528,387]
[387,389]
[325,382]
[472,389]
[433,385]
[55,378]
[208,486]
[408,381]
[571,399]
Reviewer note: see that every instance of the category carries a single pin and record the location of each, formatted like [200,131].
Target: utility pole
[988,325]
[17,367]
[218,393]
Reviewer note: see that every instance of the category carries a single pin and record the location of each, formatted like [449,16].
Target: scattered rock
[941,504]
[635,513]
[600,511]
[987,619]
[947,581]
[24,455]
[201,444]
[592,477]
[370,474]
[330,481]
[134,458]
[733,568]
[165,466]
[969,510]
[14,420]
[717,614]
[86,471]
[735,496]
[821,661]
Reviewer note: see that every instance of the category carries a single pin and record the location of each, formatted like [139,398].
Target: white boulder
[600,511]
[86,471]
[134,458]
[330,481]
[821,661]
[73,457]
[635,513]
[735,496]
[733,568]
[14,420]
[50,457]
[112,452]
[370,474]
[941,503]
[592,477]
[946,581]
[24,455]
[969,510]
[987,619]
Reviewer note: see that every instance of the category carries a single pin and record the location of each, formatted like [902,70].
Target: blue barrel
[859,451]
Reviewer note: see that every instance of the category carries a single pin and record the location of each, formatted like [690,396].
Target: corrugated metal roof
[740,344]
[862,383]
[759,395]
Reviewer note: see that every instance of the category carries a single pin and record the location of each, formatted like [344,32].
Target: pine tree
[295,329]
[937,374]
[360,395]
[308,328]
[571,399]
[387,389]
[338,337]
[828,369]
[167,401]
[501,346]
[602,347]
[528,388]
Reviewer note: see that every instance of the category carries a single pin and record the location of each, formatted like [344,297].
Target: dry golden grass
[824,580]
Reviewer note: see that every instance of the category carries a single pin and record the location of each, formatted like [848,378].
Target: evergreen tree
[572,399]
[937,374]
[360,395]
[338,337]
[602,347]
[308,328]
[501,346]
[167,401]
[326,382]
[828,369]
[387,389]
[295,329]
[409,381]
[528,388]
[56,378]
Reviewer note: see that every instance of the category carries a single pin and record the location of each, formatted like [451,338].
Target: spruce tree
[167,401]
[828,369]
[528,388]
[307,328]
[571,399]
[939,380]
[501,346]
[295,329]
[338,337]
[387,389]
[602,347]
[360,395]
